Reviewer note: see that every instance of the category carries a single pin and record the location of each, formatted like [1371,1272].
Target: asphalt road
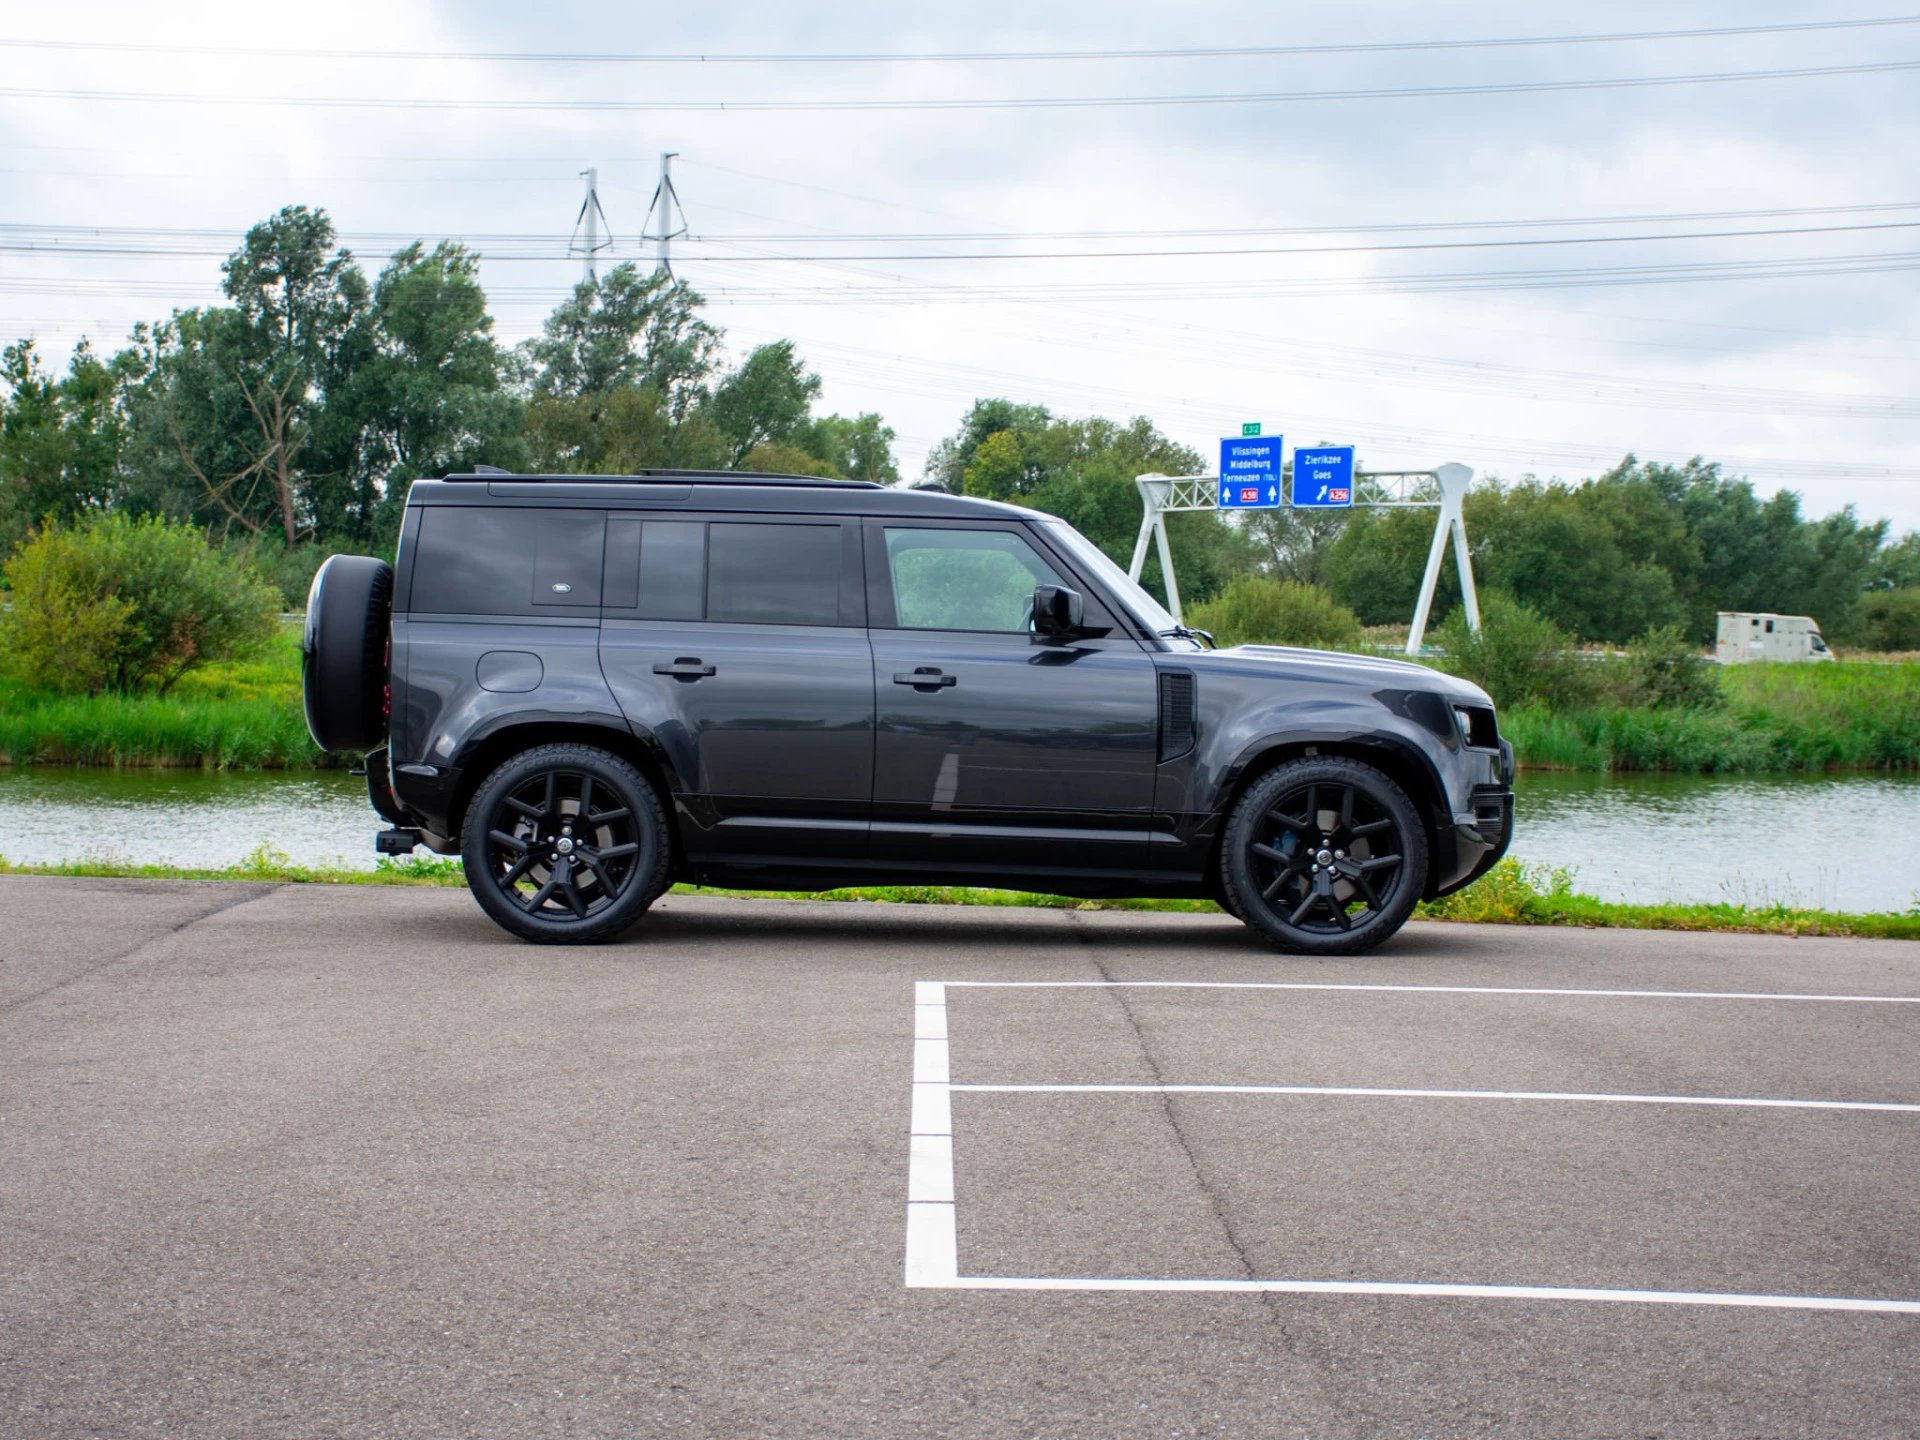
[305,1162]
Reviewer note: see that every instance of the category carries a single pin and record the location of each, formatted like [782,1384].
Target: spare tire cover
[344,652]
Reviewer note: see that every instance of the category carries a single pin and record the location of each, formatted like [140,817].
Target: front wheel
[1324,856]
[565,845]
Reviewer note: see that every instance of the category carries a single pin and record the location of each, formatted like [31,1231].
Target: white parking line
[1422,990]
[932,1238]
[1367,1092]
[1458,1292]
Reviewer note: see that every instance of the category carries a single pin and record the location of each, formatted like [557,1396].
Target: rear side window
[472,560]
[772,574]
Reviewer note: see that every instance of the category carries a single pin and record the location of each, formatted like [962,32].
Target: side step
[396,841]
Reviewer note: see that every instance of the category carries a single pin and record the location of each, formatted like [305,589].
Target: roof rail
[698,477]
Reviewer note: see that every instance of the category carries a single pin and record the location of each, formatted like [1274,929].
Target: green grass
[240,716]
[1512,894]
[1775,718]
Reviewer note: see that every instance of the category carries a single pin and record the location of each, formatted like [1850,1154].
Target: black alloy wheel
[565,844]
[1324,856]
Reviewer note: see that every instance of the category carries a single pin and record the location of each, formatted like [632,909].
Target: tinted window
[964,579]
[673,569]
[621,586]
[771,574]
[478,561]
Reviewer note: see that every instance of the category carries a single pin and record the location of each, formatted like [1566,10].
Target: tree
[627,331]
[949,460]
[1083,471]
[766,399]
[60,440]
[1374,565]
[858,448]
[432,398]
[1552,546]
[1295,543]
[231,402]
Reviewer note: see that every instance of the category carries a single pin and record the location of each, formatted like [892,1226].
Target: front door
[740,646]
[993,750]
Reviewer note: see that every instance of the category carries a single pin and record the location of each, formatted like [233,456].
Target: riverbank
[241,716]
[1775,718]
[1512,894]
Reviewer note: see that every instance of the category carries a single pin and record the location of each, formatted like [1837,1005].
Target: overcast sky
[1758,350]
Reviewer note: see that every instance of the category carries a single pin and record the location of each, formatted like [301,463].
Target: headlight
[1476,727]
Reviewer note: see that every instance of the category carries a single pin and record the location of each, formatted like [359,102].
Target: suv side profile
[590,688]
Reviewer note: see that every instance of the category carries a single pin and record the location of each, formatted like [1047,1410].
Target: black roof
[698,477]
[708,490]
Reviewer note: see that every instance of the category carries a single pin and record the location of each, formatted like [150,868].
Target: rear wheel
[1324,856]
[566,845]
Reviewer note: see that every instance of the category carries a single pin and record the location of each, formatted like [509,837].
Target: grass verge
[1511,894]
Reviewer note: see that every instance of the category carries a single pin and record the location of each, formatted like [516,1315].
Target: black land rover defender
[591,687]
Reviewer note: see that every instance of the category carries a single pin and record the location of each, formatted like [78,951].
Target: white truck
[1746,635]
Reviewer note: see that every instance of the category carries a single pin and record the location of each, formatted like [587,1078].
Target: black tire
[343,663]
[540,871]
[1324,856]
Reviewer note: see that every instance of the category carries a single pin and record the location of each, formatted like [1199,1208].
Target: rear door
[994,750]
[740,644]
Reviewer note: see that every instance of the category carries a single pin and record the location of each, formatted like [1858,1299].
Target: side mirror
[1057,611]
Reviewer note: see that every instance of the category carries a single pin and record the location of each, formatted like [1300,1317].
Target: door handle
[684,667]
[927,677]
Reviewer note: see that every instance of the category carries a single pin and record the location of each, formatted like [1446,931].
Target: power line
[1057,102]
[67,233]
[1224,231]
[961,56]
[34,240]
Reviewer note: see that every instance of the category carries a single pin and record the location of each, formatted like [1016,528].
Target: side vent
[1176,713]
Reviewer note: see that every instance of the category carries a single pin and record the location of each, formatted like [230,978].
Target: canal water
[1837,842]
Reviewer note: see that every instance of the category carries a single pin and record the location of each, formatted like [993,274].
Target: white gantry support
[1452,480]
[1161,495]
[1443,488]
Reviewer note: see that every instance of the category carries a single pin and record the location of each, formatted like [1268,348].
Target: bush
[1665,670]
[1519,657]
[1259,610]
[1890,620]
[111,603]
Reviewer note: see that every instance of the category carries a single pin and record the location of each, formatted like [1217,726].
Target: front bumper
[1480,834]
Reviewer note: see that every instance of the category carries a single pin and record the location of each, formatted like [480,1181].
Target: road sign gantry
[1443,489]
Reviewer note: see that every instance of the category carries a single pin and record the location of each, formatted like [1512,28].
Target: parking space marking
[1367,1092]
[1420,990]
[932,1255]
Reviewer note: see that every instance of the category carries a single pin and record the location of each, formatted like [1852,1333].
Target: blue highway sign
[1250,472]
[1323,477]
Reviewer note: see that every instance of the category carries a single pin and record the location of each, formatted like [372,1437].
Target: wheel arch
[489,751]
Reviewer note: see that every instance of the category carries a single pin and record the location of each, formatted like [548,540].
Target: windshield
[1124,588]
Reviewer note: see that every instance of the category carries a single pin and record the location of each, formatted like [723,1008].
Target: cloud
[1554,381]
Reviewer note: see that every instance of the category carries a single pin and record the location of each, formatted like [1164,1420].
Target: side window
[771,574]
[656,569]
[964,579]
[474,560]
[673,569]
